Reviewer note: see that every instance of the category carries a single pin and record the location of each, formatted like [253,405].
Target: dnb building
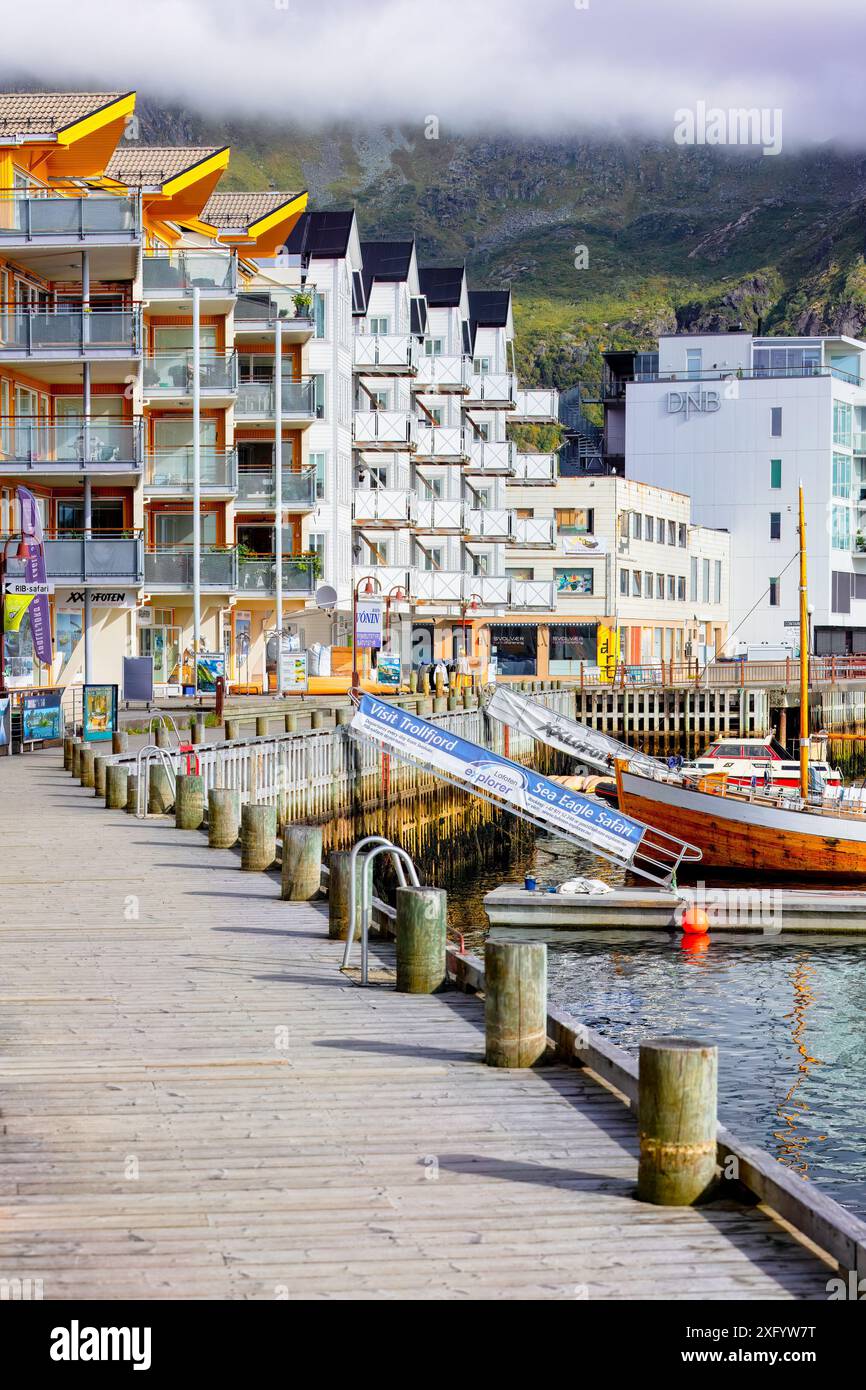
[737,421]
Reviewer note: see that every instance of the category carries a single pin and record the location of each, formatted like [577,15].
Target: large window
[573,581]
[842,423]
[318,461]
[569,645]
[775,526]
[841,476]
[775,473]
[514,647]
[574,521]
[841,528]
[175,528]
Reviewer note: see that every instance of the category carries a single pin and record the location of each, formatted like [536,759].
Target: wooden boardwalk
[196,1104]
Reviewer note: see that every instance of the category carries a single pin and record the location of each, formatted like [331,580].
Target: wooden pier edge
[821,1220]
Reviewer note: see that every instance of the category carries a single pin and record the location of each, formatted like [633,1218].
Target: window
[319,394]
[514,648]
[681,535]
[380,325]
[175,528]
[570,644]
[635,583]
[775,473]
[661,530]
[694,360]
[482,430]
[706,579]
[693,579]
[319,462]
[319,314]
[775,526]
[681,585]
[648,527]
[434,347]
[841,528]
[774,593]
[522,572]
[316,545]
[842,423]
[636,525]
[841,476]
[574,521]
[776,421]
[432,558]
[481,366]
[438,413]
[623,582]
[660,586]
[717,588]
[672,587]
[573,581]
[672,533]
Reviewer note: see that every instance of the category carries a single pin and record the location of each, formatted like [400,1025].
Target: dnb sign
[697,401]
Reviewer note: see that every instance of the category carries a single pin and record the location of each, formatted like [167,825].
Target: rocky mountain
[603,243]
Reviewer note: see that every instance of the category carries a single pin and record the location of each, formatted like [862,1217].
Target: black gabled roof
[385,260]
[442,285]
[322,234]
[489,308]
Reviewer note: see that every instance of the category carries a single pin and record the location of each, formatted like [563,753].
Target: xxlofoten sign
[698,401]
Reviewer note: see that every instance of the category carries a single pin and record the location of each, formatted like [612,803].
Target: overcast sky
[529,66]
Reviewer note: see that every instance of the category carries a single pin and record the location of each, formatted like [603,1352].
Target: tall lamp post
[473,602]
[368,581]
[22,553]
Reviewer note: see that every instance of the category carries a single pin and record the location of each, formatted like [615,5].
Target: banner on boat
[596,825]
[558,731]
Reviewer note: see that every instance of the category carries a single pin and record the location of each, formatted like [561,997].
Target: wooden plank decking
[196,1104]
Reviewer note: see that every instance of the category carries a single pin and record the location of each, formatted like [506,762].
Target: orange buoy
[695,921]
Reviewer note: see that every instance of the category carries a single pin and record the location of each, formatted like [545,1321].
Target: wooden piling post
[67,753]
[233,729]
[317,719]
[468,698]
[453,698]
[160,796]
[290,723]
[262,725]
[132,794]
[515,1002]
[163,736]
[116,778]
[677,1121]
[425,707]
[302,862]
[223,817]
[99,765]
[344,715]
[77,750]
[189,802]
[440,704]
[258,837]
[339,865]
[87,759]
[422,916]
[120,741]
[196,730]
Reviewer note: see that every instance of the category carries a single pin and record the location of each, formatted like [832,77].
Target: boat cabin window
[779,749]
[727,750]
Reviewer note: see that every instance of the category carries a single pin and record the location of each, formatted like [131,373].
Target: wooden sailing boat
[758,832]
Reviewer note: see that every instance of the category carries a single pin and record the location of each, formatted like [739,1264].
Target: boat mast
[804,658]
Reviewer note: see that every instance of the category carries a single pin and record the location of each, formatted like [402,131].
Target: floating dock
[767,911]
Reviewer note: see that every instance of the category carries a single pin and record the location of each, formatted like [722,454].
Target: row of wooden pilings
[677,1086]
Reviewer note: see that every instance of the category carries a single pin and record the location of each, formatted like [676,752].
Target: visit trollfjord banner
[401,733]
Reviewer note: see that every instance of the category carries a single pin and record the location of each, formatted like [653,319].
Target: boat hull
[747,836]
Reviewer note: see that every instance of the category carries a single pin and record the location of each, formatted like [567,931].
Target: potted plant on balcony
[303,302]
[860,541]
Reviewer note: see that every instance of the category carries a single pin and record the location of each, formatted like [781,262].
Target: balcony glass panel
[174,568]
[26,216]
[173,372]
[258,486]
[30,440]
[257,399]
[68,329]
[260,575]
[103,556]
[183,271]
[173,470]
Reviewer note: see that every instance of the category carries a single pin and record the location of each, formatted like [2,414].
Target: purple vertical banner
[34,573]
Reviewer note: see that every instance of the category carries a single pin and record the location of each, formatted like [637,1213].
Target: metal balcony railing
[259,575]
[263,308]
[76,443]
[258,487]
[534,531]
[44,217]
[535,405]
[383,506]
[441,444]
[490,523]
[257,400]
[171,373]
[497,459]
[384,429]
[171,471]
[172,568]
[492,389]
[73,558]
[69,331]
[173,273]
[439,515]
[530,469]
[532,593]
[443,374]
[390,354]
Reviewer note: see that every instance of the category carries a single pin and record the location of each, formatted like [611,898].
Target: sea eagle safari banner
[597,826]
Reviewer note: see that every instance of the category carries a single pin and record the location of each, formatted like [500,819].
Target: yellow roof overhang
[82,149]
[263,237]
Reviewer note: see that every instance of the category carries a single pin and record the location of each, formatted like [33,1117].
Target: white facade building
[736,421]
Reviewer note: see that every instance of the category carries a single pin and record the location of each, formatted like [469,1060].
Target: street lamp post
[368,581]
